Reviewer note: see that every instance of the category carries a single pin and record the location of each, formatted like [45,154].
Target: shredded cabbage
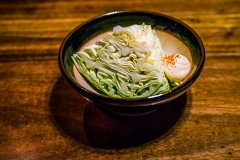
[126,63]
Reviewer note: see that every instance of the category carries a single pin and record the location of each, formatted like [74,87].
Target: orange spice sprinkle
[170,59]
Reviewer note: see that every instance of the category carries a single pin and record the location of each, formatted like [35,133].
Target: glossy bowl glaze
[175,36]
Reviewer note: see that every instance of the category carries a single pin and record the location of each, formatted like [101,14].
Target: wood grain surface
[42,117]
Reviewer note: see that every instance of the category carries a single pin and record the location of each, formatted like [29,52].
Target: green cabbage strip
[126,63]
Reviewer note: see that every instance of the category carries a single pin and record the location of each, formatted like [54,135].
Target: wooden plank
[42,117]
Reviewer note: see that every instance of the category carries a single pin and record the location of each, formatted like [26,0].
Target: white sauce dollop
[176,67]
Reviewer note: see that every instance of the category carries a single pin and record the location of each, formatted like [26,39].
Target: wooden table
[42,117]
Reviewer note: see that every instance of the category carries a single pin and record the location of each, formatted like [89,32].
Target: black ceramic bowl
[175,37]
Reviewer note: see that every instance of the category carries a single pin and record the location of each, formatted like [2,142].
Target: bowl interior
[170,45]
[175,37]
